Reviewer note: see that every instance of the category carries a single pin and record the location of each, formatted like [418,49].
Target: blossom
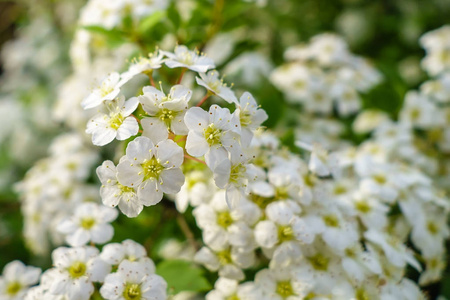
[16,279]
[90,222]
[115,194]
[166,112]
[212,82]
[133,281]
[184,58]
[116,123]
[108,90]
[212,133]
[151,169]
[77,268]
[143,65]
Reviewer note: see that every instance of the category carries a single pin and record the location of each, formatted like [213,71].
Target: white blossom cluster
[324,76]
[334,226]
[123,270]
[421,136]
[54,187]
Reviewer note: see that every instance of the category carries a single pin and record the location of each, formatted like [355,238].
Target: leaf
[114,37]
[183,276]
[149,22]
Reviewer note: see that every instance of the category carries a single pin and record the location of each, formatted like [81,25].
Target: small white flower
[251,116]
[212,133]
[77,268]
[166,112]
[152,169]
[184,58]
[116,123]
[16,279]
[113,193]
[133,281]
[108,90]
[115,253]
[143,65]
[212,82]
[90,222]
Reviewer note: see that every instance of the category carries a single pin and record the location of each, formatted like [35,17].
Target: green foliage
[183,276]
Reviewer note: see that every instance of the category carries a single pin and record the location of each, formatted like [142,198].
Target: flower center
[233,297]
[132,291]
[13,288]
[124,189]
[224,257]
[245,117]
[319,262]
[331,220]
[87,223]
[152,168]
[77,269]
[432,227]
[379,178]
[224,219]
[116,121]
[212,135]
[105,90]
[362,206]
[166,116]
[284,289]
[236,173]
[361,295]
[285,233]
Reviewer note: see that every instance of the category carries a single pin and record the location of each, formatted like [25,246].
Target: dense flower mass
[161,145]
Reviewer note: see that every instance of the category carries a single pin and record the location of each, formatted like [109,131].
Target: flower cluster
[54,187]
[77,269]
[324,74]
[339,219]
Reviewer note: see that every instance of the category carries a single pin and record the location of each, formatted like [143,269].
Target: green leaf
[149,22]
[183,276]
[114,37]
[174,16]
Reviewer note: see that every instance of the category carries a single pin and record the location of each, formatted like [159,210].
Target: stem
[181,76]
[187,231]
[180,138]
[194,159]
[141,131]
[150,76]
[204,99]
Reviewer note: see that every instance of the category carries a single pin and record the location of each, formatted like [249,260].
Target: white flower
[90,222]
[280,283]
[152,169]
[16,279]
[396,253]
[183,58]
[166,112]
[225,289]
[144,65]
[251,116]
[212,133]
[113,193]
[115,253]
[133,281]
[78,268]
[108,90]
[212,82]
[116,123]
[228,261]
[234,175]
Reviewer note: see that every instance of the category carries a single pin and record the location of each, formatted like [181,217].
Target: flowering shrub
[168,185]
